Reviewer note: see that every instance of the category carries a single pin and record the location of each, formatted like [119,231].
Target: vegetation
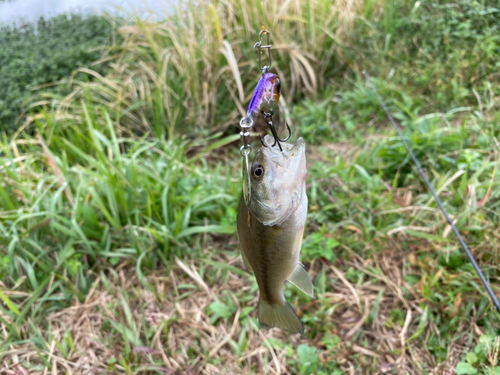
[156,72]
[39,54]
[117,210]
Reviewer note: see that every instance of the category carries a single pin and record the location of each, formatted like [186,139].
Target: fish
[266,95]
[271,228]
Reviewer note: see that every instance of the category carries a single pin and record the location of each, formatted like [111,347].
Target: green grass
[103,198]
[118,250]
[368,212]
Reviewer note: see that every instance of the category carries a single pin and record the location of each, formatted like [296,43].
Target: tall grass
[197,68]
[194,71]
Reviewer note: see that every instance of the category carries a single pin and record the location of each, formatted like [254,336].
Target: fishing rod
[433,192]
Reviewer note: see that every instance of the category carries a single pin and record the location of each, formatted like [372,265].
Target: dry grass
[198,67]
[166,327]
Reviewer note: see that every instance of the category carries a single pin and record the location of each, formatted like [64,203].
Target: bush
[446,52]
[45,52]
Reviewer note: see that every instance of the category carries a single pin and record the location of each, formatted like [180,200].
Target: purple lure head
[266,94]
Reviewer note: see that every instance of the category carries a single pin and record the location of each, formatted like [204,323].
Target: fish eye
[258,171]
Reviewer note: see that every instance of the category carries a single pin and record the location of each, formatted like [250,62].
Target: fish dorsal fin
[301,280]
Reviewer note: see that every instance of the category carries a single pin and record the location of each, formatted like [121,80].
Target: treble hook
[268,47]
[268,118]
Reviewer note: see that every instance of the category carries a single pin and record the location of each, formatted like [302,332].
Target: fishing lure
[266,95]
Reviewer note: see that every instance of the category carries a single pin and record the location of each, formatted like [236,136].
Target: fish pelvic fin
[300,278]
[280,315]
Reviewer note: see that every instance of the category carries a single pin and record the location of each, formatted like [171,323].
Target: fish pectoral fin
[246,263]
[300,278]
[281,315]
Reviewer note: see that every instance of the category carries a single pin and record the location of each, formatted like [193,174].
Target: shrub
[35,54]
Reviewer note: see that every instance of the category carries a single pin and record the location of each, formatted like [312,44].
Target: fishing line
[433,192]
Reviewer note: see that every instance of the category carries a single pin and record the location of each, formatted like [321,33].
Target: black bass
[271,227]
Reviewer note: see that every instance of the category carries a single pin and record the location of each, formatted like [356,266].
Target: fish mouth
[288,148]
[282,158]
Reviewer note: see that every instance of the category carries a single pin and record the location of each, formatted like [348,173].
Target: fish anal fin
[301,280]
[280,315]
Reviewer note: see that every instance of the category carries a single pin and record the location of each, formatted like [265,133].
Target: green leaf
[472,358]
[464,368]
[9,304]
[220,309]
[220,229]
[307,354]
[427,236]
[221,142]
[421,325]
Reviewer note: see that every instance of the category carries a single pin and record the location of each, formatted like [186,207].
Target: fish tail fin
[279,315]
